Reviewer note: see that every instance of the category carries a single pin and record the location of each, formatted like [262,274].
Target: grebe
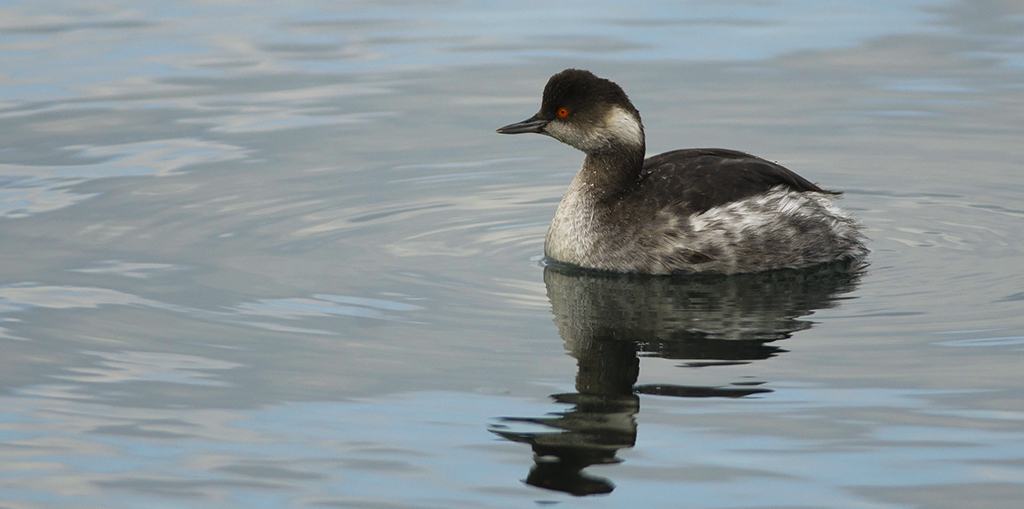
[690,210]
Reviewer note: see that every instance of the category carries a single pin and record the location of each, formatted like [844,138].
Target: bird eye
[562,112]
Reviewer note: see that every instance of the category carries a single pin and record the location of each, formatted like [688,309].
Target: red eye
[562,112]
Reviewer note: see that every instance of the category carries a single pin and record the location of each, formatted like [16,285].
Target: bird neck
[608,174]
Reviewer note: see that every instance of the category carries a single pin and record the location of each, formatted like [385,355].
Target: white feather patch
[623,126]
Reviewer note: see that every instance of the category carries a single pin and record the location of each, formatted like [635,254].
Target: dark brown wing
[702,178]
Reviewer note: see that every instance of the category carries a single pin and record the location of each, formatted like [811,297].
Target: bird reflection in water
[609,321]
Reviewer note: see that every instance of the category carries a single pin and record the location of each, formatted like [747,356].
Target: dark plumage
[702,178]
[711,210]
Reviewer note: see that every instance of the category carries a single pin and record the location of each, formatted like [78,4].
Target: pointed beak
[533,124]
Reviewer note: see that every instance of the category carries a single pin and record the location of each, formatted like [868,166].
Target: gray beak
[533,124]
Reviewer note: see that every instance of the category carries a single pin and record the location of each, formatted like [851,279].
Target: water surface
[268,255]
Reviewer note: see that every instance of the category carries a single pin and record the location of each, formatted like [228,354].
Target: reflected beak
[533,124]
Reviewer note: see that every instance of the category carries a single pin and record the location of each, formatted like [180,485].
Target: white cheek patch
[618,127]
[565,134]
[624,127]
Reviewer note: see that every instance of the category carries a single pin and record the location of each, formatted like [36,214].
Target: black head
[590,113]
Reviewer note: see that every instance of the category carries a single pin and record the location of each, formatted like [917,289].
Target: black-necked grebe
[690,210]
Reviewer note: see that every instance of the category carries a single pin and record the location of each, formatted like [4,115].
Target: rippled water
[273,254]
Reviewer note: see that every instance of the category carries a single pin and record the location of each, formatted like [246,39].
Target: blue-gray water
[272,254]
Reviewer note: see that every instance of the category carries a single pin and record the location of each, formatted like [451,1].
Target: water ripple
[269,312]
[323,305]
[27,190]
[128,366]
[133,270]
